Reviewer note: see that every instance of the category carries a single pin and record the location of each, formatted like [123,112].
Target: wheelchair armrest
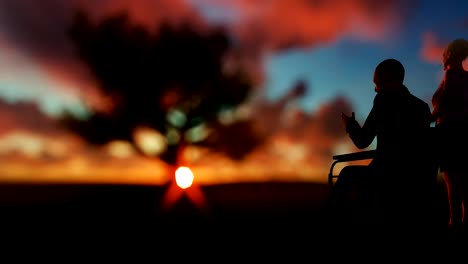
[361,155]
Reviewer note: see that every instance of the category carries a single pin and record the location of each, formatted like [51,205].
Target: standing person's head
[389,76]
[455,53]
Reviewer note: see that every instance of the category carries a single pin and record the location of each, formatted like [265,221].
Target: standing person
[399,121]
[450,112]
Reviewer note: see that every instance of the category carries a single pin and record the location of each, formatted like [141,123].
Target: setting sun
[184,177]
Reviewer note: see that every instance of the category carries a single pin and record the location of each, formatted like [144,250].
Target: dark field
[236,218]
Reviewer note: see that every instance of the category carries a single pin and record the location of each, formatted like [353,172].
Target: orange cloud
[33,148]
[305,24]
[432,48]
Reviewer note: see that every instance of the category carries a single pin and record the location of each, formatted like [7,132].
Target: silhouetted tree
[172,80]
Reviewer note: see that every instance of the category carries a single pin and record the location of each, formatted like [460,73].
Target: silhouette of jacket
[400,121]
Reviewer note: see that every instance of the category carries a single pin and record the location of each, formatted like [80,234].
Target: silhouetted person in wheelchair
[396,182]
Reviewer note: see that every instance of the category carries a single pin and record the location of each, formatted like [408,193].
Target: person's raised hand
[345,118]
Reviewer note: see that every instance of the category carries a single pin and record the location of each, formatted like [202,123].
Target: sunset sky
[333,46]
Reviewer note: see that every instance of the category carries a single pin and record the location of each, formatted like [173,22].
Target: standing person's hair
[455,52]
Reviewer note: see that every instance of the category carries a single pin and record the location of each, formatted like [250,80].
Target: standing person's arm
[437,102]
[454,95]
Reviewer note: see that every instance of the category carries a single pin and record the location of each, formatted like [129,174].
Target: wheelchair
[430,151]
[425,208]
[348,157]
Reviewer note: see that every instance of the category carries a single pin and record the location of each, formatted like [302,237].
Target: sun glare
[184,177]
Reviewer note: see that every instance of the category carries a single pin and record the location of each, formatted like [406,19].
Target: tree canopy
[176,80]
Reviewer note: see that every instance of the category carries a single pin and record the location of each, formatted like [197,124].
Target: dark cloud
[318,132]
[26,117]
[322,131]
[39,31]
[33,130]
[36,29]
[328,117]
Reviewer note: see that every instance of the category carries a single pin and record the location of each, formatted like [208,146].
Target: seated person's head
[389,76]
[455,53]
